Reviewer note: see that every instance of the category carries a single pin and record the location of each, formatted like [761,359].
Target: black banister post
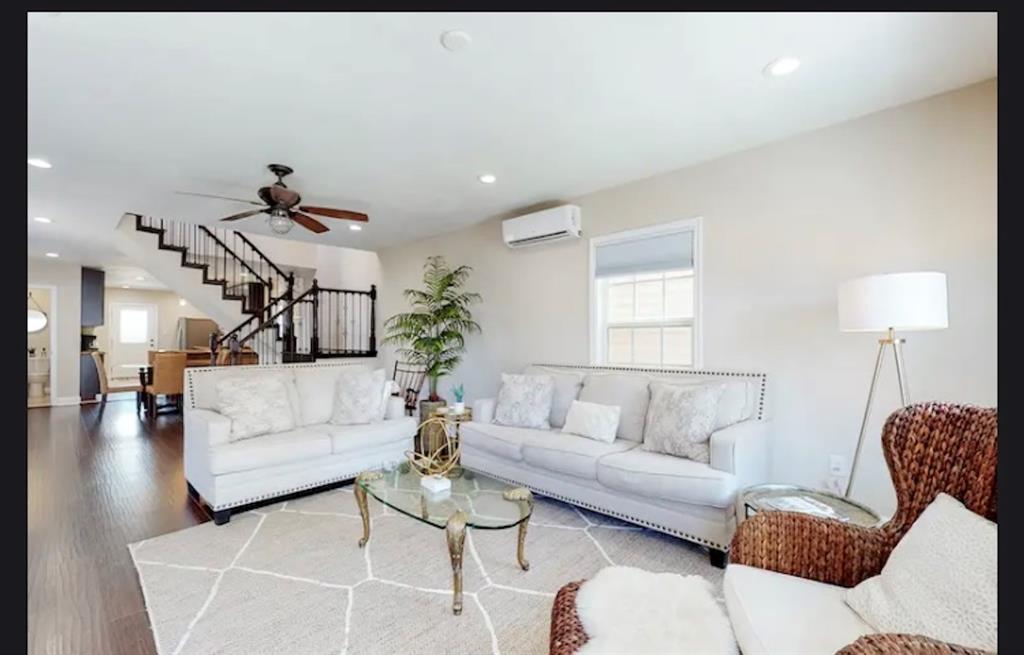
[373,320]
[314,341]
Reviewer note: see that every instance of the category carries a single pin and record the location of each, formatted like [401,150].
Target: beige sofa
[678,496]
[227,474]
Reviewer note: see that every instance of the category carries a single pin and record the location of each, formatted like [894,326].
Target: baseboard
[65,401]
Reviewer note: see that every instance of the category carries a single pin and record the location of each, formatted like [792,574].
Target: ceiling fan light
[280,222]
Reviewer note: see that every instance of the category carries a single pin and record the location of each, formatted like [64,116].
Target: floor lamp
[887,303]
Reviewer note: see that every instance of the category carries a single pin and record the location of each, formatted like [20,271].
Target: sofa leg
[717,557]
[221,516]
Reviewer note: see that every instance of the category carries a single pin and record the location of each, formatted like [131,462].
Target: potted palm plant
[433,334]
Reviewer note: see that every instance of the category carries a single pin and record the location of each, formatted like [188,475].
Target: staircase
[242,288]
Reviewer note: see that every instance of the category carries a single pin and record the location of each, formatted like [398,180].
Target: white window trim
[692,224]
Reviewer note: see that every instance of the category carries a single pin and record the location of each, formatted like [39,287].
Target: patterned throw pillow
[256,405]
[525,401]
[680,419]
[359,398]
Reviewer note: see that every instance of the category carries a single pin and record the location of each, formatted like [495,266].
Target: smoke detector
[455,40]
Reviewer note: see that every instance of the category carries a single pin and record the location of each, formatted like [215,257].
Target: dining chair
[166,377]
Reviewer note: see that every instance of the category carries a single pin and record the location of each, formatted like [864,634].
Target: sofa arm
[205,428]
[742,449]
[395,409]
[483,410]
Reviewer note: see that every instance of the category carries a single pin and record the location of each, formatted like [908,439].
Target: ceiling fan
[281,203]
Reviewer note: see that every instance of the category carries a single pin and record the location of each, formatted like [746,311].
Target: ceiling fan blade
[309,223]
[235,217]
[208,195]
[336,213]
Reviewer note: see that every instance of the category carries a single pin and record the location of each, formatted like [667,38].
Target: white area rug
[290,578]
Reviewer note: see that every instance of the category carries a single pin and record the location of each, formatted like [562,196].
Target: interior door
[133,333]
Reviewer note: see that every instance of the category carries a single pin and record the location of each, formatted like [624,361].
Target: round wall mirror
[37,321]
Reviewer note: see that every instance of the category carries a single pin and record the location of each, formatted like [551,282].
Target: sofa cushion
[776,613]
[268,450]
[359,397]
[628,392]
[501,440]
[739,399]
[667,478]
[570,454]
[256,405]
[567,388]
[316,388]
[354,438]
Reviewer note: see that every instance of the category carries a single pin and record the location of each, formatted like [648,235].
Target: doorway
[42,344]
[133,333]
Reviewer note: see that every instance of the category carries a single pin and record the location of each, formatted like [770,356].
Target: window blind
[645,255]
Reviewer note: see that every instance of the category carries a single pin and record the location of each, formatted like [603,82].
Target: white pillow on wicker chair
[939,581]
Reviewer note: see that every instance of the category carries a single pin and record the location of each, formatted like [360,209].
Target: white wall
[67,321]
[336,267]
[910,188]
[168,313]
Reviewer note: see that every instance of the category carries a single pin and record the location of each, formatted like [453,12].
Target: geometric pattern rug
[290,578]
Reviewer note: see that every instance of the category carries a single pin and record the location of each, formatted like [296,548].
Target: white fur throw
[629,610]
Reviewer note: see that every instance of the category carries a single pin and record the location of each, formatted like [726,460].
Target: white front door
[133,332]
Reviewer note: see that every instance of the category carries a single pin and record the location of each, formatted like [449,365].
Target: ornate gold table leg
[455,532]
[364,510]
[524,497]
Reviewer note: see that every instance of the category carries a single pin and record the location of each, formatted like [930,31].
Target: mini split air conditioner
[552,224]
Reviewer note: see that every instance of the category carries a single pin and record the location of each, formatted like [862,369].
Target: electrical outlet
[834,483]
[838,465]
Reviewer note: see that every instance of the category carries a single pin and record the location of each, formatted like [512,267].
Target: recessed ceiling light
[125,286]
[52,254]
[355,228]
[140,278]
[488,178]
[781,66]
[181,301]
[39,163]
[41,219]
[454,40]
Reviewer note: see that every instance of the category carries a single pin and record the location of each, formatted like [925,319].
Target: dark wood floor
[99,478]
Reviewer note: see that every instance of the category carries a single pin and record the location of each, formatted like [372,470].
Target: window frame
[598,326]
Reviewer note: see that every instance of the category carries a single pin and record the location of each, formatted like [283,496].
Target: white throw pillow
[525,401]
[939,581]
[591,420]
[680,419]
[567,389]
[256,404]
[629,392]
[317,387]
[360,398]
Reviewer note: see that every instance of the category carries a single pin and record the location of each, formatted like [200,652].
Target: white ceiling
[376,116]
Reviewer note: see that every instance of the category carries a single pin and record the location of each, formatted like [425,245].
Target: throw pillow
[525,401]
[567,388]
[316,388]
[359,398]
[594,421]
[939,580]
[255,404]
[680,419]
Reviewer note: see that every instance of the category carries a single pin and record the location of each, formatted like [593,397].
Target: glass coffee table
[475,501]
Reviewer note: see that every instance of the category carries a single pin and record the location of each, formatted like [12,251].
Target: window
[645,297]
[134,326]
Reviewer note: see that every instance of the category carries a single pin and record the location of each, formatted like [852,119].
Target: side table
[794,498]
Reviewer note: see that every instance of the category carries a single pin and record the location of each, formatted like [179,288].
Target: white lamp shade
[902,301]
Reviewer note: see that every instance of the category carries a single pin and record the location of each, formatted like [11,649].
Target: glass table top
[488,503]
[818,502]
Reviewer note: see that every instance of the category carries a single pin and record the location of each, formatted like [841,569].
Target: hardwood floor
[99,478]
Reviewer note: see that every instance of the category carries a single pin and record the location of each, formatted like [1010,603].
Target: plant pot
[459,407]
[427,408]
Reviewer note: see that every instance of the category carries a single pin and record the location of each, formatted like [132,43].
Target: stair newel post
[314,341]
[373,320]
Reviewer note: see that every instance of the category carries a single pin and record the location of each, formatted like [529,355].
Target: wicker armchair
[929,448]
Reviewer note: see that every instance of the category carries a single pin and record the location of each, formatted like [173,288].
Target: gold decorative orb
[443,459]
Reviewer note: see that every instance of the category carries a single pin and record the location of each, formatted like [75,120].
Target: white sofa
[678,496]
[226,474]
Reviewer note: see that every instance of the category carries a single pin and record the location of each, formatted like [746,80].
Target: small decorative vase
[459,407]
